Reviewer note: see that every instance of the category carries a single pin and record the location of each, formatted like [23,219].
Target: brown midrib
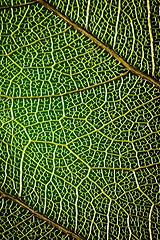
[93,38]
[39,215]
[100,44]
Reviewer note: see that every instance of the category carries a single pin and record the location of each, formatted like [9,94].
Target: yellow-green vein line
[39,215]
[101,44]
[67,93]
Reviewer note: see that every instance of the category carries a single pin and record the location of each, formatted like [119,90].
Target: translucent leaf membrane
[88,160]
[18,223]
[131,28]
[40,55]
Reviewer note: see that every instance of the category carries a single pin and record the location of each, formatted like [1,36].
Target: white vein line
[115,36]
[63,106]
[78,8]
[87,17]
[45,199]
[151,37]
[68,4]
[60,204]
[105,93]
[150,227]
[21,171]
[109,206]
[12,110]
[76,210]
[130,232]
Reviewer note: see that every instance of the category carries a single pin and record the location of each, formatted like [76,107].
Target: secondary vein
[100,43]
[39,215]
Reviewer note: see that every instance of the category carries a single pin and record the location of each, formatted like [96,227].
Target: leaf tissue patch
[79,119]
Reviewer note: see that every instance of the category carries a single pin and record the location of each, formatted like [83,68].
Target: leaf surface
[79,132]
[131,28]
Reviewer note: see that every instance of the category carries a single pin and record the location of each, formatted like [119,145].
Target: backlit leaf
[79,132]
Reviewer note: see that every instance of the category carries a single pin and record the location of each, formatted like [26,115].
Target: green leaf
[79,120]
[131,28]
[23,225]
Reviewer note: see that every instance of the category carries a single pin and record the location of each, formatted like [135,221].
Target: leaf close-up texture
[80,119]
